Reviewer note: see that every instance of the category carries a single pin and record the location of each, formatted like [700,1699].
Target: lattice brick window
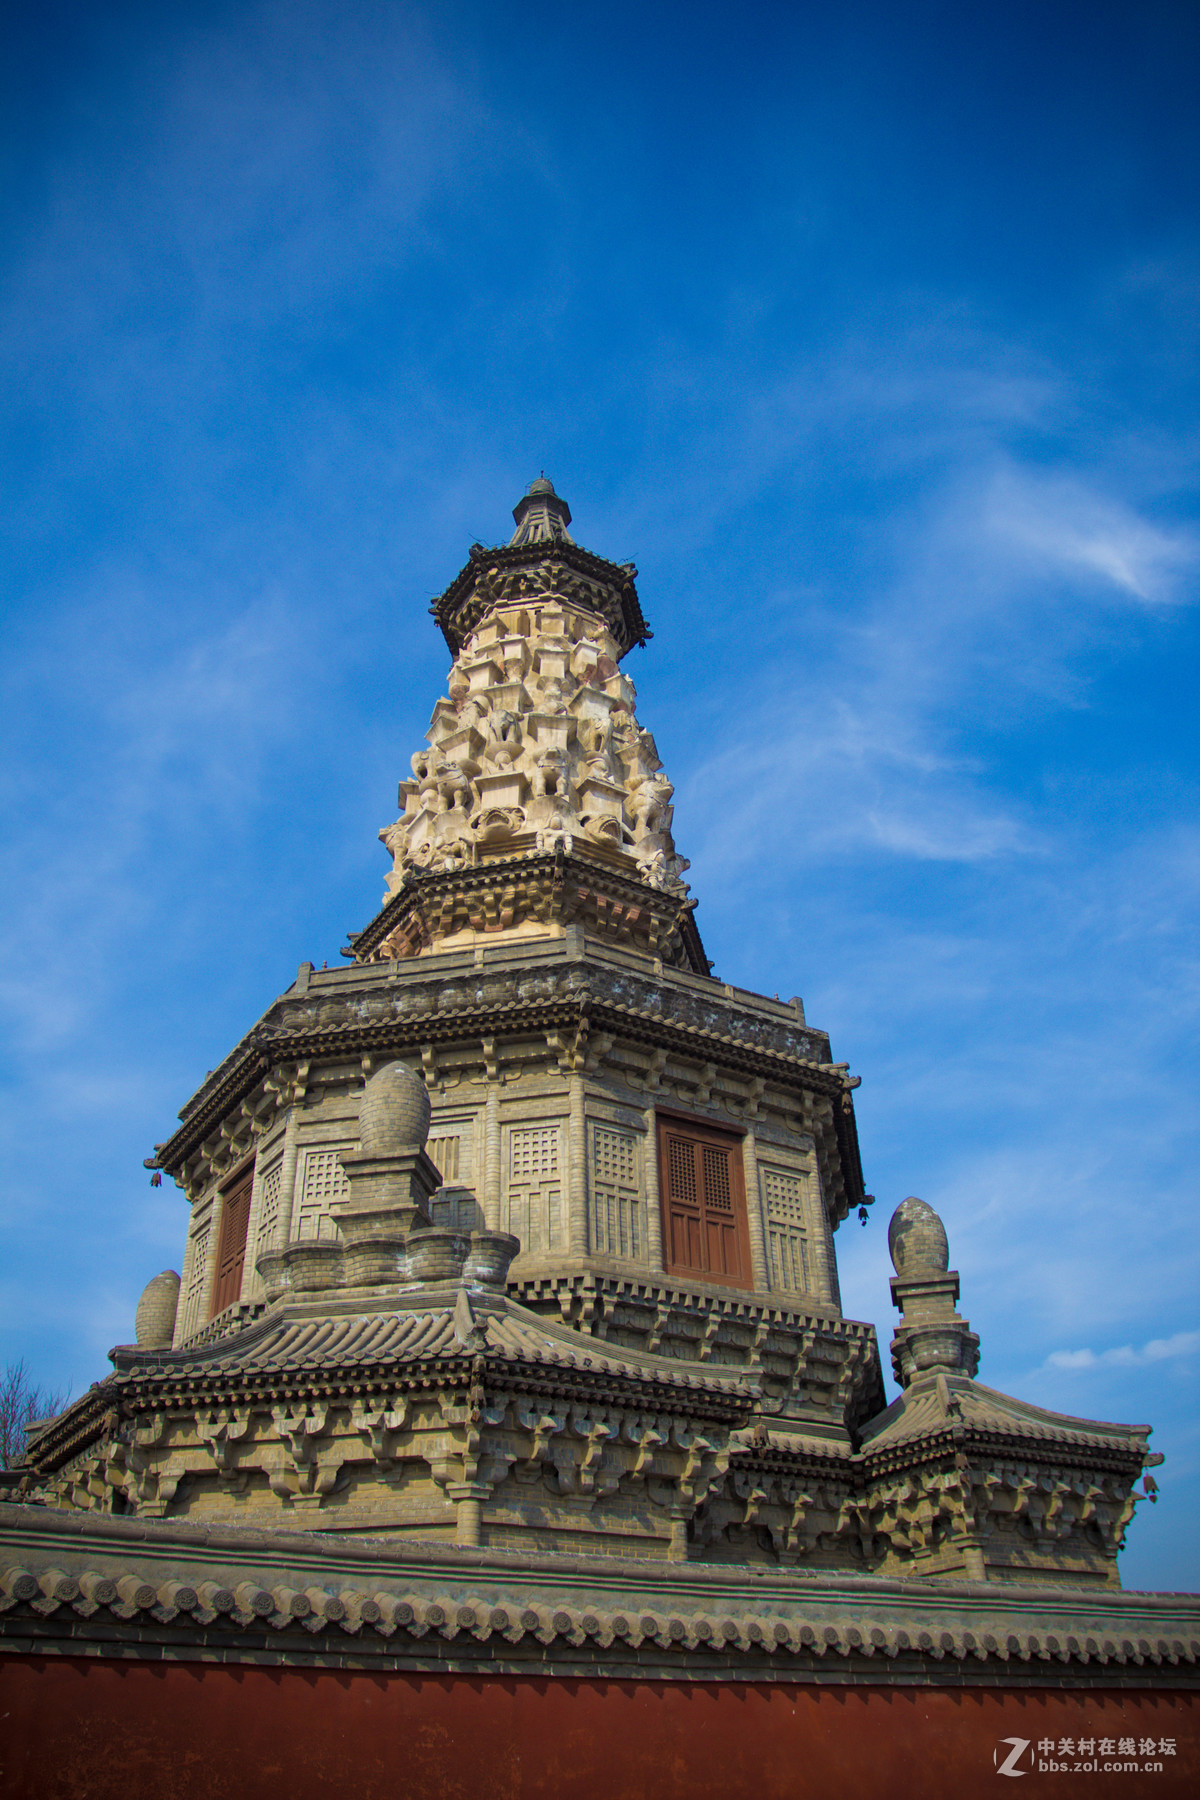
[536,1213]
[197,1278]
[616,1202]
[446,1151]
[458,1212]
[785,1203]
[449,1147]
[269,1194]
[321,1191]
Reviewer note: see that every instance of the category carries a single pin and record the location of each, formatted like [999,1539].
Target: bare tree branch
[21,1403]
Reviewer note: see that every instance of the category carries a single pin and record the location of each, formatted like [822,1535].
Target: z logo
[1019,1747]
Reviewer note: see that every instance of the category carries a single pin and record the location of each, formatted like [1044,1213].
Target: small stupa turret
[931,1335]
[390,1175]
[154,1323]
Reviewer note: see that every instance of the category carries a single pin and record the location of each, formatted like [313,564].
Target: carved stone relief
[536,746]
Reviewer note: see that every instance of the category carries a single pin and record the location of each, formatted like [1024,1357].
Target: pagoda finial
[541,516]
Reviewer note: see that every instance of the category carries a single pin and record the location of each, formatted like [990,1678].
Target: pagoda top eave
[461,608]
[556,867]
[796,1055]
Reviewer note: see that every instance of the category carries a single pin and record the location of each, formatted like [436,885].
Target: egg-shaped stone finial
[394,1112]
[917,1239]
[154,1321]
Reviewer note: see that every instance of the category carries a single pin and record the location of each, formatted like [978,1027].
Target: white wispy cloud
[164,745]
[1061,526]
[1128,1356]
[252,159]
[866,747]
[840,778]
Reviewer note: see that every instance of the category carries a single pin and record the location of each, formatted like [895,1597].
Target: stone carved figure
[550,813]
[599,746]
[504,743]
[552,693]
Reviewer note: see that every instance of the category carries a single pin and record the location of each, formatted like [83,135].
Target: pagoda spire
[541,516]
[535,759]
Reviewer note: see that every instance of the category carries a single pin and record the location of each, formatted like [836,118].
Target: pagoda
[502,1425]
[517,1231]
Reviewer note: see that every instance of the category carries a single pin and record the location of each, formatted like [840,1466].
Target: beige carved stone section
[536,746]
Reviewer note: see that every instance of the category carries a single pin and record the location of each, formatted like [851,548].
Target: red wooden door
[703,1203]
[231,1245]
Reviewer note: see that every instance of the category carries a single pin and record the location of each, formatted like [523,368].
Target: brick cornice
[269,1047]
[459,609]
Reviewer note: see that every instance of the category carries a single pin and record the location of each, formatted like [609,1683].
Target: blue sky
[869,333]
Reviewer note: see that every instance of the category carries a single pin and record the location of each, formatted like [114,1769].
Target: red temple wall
[87,1729]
